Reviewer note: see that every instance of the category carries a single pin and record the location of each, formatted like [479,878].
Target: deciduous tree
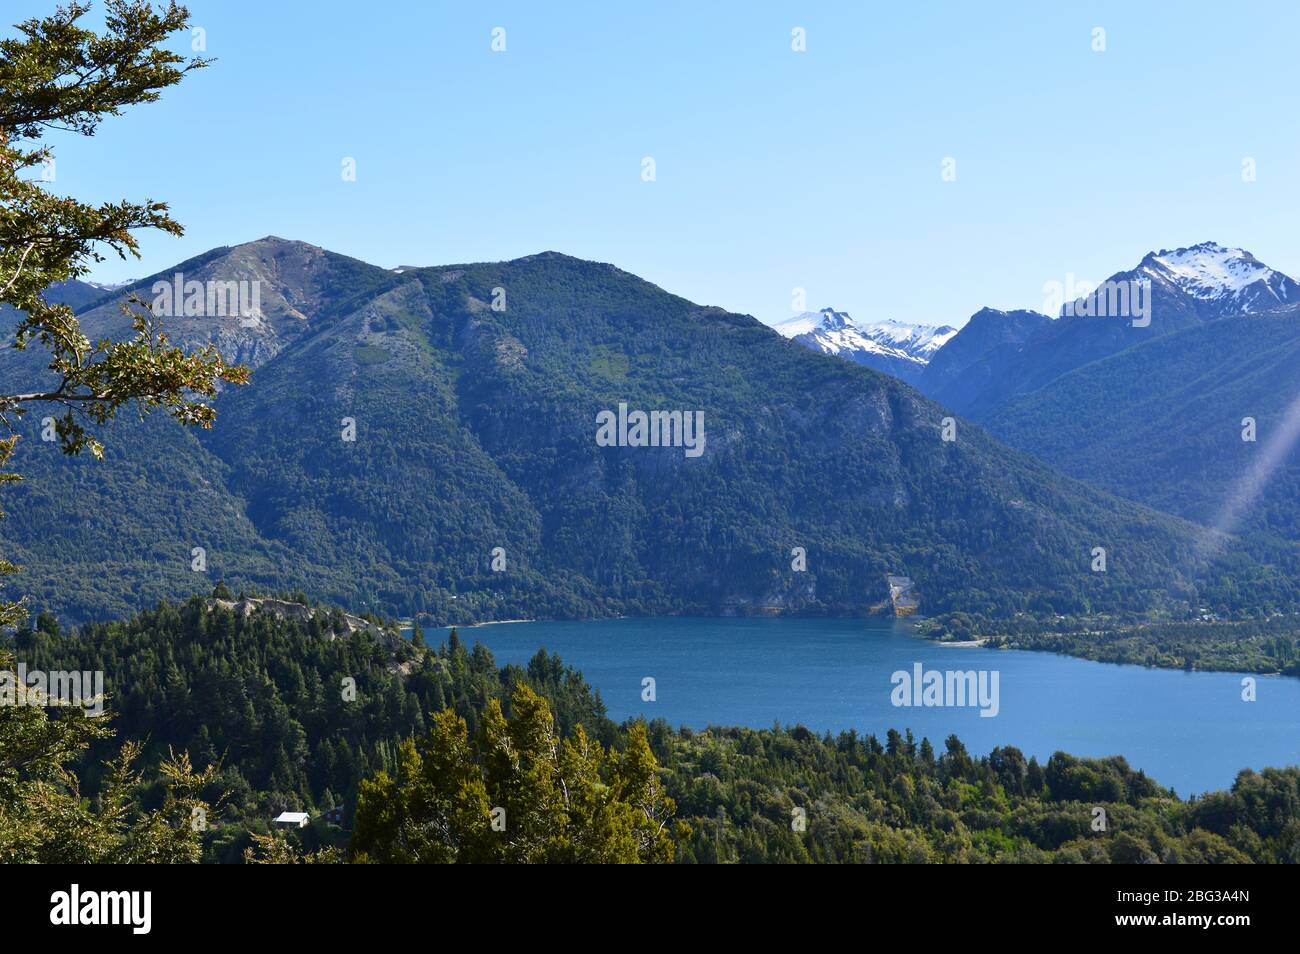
[57,74]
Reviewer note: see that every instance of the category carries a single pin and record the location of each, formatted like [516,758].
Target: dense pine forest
[260,704]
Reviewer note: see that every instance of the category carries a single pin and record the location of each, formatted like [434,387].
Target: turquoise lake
[1191,731]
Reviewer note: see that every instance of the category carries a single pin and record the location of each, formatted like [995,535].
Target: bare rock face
[251,300]
[297,611]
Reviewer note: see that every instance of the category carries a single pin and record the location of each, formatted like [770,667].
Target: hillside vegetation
[258,699]
[405,448]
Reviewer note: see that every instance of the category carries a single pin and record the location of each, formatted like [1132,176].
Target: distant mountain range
[1154,413]
[998,355]
[425,441]
[892,347]
[1182,288]
[1163,422]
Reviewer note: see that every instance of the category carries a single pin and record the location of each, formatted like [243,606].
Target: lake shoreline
[1192,730]
[1210,646]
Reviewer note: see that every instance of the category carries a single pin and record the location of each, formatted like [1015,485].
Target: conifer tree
[44,817]
[515,793]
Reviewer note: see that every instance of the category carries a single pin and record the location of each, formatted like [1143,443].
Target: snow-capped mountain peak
[1231,278]
[890,346]
[810,321]
[916,340]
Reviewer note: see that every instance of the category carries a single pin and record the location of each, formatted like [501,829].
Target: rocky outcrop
[285,609]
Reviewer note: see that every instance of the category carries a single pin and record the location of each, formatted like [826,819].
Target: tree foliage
[45,817]
[516,793]
[259,699]
[58,75]
[436,739]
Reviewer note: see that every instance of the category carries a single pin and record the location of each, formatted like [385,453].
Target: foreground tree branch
[56,74]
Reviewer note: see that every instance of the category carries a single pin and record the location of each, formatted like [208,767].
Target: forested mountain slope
[408,447]
[1164,423]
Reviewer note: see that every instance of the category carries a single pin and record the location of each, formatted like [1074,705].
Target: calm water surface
[1191,731]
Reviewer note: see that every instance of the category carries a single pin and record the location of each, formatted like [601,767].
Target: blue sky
[775,169]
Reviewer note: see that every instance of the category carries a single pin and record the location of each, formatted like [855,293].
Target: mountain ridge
[1178,289]
[897,349]
[1175,440]
[388,446]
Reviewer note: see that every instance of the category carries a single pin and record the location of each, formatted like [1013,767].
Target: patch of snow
[1210,271]
[916,340]
[835,331]
[799,324]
